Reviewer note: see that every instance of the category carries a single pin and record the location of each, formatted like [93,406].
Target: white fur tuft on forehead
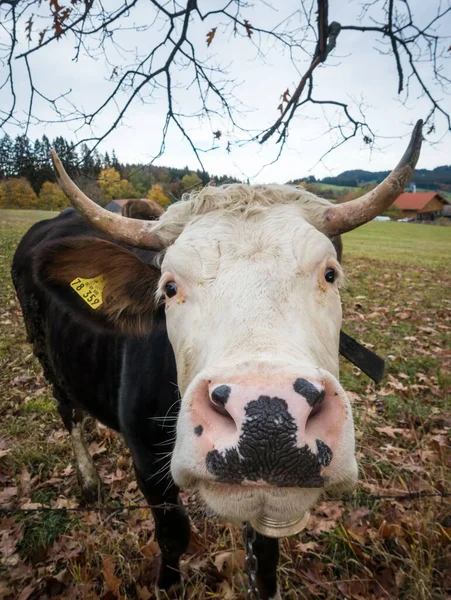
[237,198]
[250,199]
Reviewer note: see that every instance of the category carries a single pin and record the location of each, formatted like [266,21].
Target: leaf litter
[357,546]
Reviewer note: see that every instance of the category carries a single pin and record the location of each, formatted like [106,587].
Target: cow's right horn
[344,217]
[129,231]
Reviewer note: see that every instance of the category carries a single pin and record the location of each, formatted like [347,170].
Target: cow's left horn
[129,231]
[347,216]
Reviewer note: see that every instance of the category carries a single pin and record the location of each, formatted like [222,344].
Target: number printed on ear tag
[90,290]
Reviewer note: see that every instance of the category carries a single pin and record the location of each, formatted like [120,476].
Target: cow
[146,210]
[213,333]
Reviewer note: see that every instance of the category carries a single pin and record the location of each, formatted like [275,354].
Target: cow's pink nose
[279,433]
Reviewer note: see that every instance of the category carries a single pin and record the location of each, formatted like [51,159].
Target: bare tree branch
[174,61]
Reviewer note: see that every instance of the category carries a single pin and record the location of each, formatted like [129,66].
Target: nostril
[315,410]
[219,397]
[311,393]
[319,410]
[218,408]
[221,394]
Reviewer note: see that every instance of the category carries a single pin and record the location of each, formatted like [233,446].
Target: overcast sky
[355,72]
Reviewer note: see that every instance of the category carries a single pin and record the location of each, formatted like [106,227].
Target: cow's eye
[170,289]
[329,275]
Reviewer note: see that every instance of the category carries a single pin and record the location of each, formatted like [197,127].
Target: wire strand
[129,507]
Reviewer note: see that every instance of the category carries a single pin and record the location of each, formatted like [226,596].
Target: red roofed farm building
[422,206]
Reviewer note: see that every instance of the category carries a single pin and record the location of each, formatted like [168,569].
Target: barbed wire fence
[117,508]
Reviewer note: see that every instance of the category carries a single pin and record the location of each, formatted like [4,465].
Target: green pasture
[400,243]
[18,217]
[330,186]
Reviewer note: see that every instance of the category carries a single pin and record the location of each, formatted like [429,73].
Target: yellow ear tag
[90,290]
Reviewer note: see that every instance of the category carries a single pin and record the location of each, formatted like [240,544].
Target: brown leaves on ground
[112,582]
[358,547]
[391,431]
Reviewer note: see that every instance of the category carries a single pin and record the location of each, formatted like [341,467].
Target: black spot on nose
[324,453]
[221,394]
[311,393]
[198,430]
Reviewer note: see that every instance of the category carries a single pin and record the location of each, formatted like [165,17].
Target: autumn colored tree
[18,193]
[113,187]
[22,157]
[157,194]
[191,181]
[52,197]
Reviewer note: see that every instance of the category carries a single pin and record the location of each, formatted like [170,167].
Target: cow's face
[253,314]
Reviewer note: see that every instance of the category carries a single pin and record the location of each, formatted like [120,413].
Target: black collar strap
[368,362]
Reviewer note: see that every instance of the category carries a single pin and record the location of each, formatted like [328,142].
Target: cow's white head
[250,280]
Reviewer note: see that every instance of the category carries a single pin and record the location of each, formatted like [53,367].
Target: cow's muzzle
[269,433]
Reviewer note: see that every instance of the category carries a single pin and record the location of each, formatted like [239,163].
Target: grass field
[400,243]
[330,186]
[397,300]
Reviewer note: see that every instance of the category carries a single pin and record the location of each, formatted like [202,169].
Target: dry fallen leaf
[25,482]
[307,547]
[390,431]
[150,549]
[143,593]
[7,494]
[389,530]
[227,562]
[225,591]
[113,583]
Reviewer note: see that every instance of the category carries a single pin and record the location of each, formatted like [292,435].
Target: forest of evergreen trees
[27,179]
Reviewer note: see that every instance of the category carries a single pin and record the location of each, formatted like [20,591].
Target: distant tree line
[435,179]
[27,178]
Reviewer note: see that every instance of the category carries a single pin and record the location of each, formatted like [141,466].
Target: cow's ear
[99,281]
